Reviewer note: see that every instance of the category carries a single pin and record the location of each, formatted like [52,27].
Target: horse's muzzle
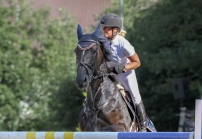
[82,81]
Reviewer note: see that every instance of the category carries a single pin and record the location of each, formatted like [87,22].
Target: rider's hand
[118,69]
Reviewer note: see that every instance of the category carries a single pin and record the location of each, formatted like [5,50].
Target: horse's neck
[101,88]
[99,91]
[98,80]
[103,67]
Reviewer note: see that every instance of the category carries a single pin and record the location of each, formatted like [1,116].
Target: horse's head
[88,56]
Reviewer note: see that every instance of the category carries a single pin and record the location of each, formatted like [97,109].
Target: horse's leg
[120,127]
[82,120]
[133,127]
[86,121]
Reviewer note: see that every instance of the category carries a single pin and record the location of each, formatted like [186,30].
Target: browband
[87,40]
[86,48]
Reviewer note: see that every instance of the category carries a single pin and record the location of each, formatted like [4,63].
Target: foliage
[37,89]
[167,35]
[37,69]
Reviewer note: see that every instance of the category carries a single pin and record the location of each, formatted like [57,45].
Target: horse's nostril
[85,79]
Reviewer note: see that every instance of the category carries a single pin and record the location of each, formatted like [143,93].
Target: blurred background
[37,60]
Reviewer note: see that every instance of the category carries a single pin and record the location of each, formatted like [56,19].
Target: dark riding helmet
[111,20]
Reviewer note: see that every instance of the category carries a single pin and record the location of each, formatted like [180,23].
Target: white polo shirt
[120,49]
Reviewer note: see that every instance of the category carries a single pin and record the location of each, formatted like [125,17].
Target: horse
[105,109]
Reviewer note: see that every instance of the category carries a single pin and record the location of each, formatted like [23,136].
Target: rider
[123,61]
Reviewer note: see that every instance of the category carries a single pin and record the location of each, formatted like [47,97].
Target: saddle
[128,100]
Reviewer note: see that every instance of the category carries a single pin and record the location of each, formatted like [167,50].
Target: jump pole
[198,119]
[113,135]
[96,135]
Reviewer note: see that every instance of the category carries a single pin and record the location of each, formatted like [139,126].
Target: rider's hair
[122,33]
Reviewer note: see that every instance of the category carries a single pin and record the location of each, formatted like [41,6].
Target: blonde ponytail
[122,33]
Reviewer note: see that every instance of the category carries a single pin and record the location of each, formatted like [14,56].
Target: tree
[37,64]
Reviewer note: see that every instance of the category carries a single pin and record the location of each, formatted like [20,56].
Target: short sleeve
[128,49]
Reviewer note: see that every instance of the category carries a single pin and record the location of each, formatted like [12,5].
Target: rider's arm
[134,62]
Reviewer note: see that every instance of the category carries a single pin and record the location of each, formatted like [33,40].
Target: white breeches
[129,81]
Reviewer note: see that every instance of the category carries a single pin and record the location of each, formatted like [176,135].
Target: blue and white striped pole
[96,135]
[113,135]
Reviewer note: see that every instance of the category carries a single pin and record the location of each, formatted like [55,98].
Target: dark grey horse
[105,109]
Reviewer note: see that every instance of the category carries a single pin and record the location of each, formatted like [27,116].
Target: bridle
[90,69]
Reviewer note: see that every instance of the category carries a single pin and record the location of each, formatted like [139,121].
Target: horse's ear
[97,31]
[79,32]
